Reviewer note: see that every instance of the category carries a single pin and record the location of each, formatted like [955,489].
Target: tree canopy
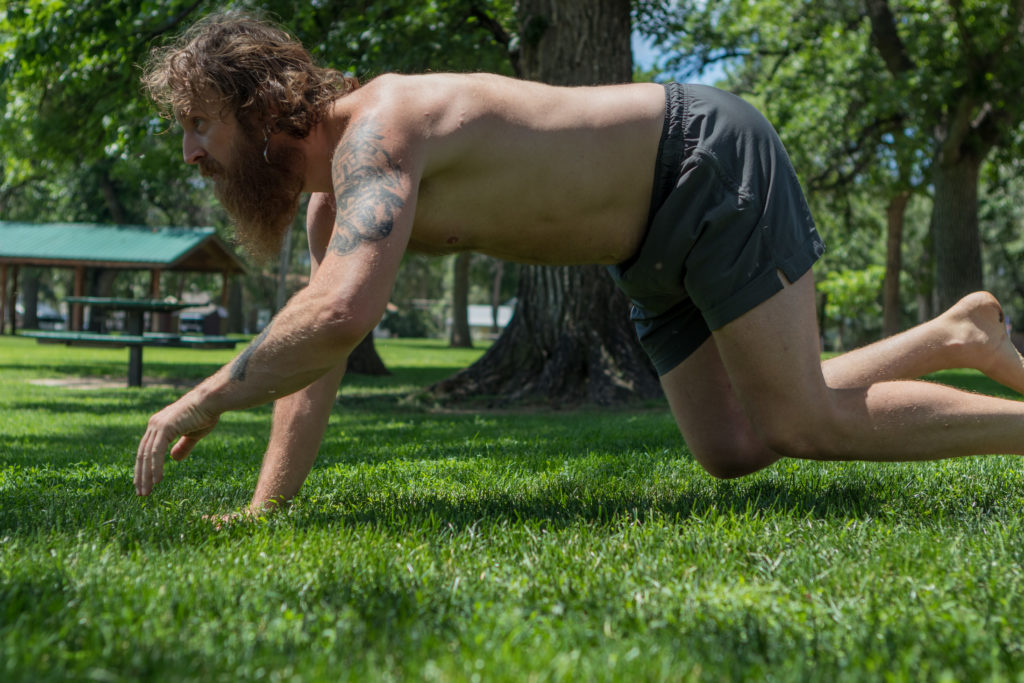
[890,93]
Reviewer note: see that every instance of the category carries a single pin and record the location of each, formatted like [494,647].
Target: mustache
[210,167]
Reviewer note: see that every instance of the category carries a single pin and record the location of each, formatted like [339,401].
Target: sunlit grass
[576,545]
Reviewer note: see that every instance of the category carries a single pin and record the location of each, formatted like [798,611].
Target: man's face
[259,191]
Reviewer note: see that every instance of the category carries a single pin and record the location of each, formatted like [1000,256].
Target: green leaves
[74,116]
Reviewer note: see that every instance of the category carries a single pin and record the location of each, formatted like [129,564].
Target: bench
[134,342]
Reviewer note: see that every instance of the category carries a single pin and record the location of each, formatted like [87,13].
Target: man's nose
[191,150]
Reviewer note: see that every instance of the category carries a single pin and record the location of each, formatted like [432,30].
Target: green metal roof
[125,246]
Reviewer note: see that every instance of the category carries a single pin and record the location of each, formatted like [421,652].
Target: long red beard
[260,194]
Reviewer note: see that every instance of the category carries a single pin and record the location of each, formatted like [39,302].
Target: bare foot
[979,330]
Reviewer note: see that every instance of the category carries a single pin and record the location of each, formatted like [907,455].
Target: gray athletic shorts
[727,214]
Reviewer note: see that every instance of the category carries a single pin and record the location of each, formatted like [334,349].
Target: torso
[520,170]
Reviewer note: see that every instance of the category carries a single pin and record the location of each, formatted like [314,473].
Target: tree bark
[974,121]
[891,308]
[570,339]
[499,273]
[236,316]
[30,298]
[957,241]
[364,359]
[460,335]
[111,198]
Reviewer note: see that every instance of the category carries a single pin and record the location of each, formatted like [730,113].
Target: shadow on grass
[561,505]
[100,499]
[79,480]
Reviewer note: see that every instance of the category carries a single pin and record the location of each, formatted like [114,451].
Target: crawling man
[684,192]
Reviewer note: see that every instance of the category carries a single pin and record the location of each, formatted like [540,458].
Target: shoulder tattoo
[367,189]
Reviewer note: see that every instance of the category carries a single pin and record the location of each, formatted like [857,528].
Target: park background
[903,119]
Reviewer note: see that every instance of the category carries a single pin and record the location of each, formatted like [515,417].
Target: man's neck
[319,148]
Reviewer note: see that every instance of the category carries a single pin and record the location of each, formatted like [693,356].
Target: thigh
[772,356]
[711,418]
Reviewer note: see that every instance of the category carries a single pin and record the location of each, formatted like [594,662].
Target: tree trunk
[499,273]
[570,339]
[101,283]
[284,262]
[569,345]
[30,299]
[955,224]
[575,42]
[236,316]
[891,308]
[12,301]
[111,197]
[364,359]
[460,337]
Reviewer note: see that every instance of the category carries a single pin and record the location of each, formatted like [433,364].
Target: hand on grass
[180,419]
[227,519]
[249,514]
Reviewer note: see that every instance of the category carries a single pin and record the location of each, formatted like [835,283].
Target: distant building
[481,319]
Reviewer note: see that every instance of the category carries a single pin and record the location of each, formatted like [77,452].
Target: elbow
[347,325]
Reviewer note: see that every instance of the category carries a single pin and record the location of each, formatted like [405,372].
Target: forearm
[298,428]
[302,343]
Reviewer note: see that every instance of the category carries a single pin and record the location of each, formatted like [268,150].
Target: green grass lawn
[506,546]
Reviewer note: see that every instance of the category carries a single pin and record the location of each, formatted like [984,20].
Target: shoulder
[382,125]
[437,104]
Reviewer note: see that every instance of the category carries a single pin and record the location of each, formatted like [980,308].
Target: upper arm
[320,214]
[375,178]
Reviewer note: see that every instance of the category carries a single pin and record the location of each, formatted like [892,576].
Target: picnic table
[134,337]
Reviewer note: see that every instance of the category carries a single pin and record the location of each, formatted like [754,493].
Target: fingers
[180,419]
[149,462]
[183,448]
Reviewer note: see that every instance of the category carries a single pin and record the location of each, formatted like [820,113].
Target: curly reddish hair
[250,68]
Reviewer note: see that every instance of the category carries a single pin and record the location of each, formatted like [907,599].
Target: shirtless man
[684,192]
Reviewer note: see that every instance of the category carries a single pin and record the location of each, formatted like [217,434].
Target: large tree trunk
[891,308]
[460,336]
[364,359]
[955,223]
[570,339]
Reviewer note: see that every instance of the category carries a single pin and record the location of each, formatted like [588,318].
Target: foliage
[411,321]
[852,300]
[78,141]
[867,96]
[1002,225]
[510,546]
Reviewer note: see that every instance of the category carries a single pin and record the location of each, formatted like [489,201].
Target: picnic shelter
[78,246]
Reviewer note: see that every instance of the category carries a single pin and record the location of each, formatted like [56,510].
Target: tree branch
[503,37]
[864,139]
[886,39]
[172,23]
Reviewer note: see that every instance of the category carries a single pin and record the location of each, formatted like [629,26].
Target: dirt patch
[108,382]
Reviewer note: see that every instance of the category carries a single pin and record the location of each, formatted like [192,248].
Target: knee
[733,455]
[810,433]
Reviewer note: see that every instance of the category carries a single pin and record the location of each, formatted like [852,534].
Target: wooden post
[154,283]
[158,322]
[224,290]
[3,296]
[77,310]
[225,276]
[14,299]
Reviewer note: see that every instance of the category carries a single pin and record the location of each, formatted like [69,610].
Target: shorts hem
[757,291]
[670,360]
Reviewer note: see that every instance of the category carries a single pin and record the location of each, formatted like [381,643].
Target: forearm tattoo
[367,188]
[241,364]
